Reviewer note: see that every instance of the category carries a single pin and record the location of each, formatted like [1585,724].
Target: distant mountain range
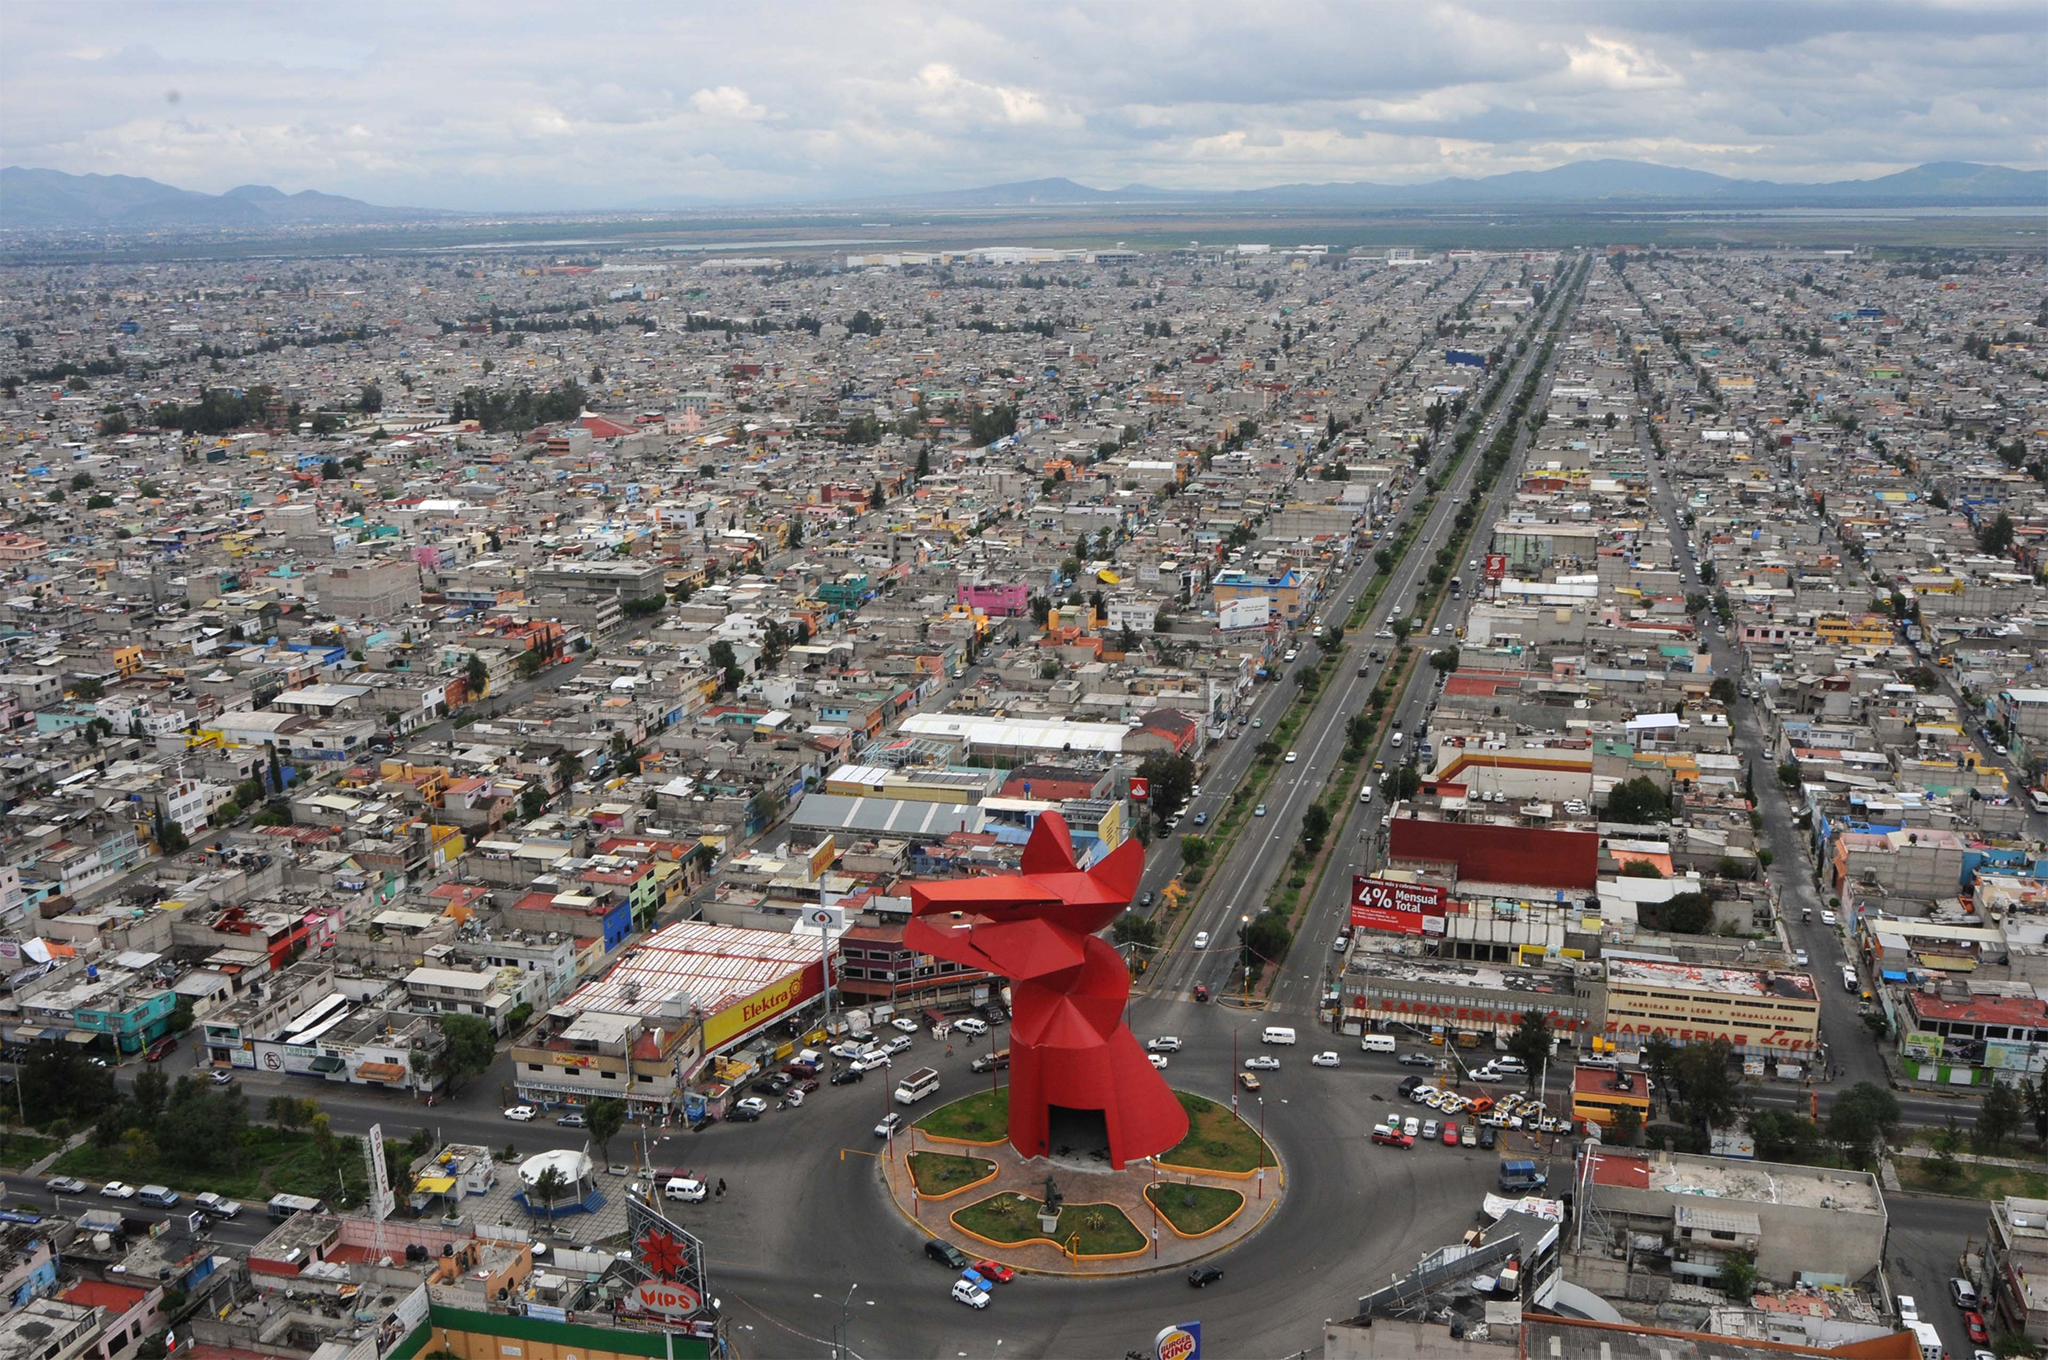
[1582,183]
[51,200]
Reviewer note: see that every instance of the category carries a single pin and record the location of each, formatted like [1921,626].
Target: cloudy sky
[513,106]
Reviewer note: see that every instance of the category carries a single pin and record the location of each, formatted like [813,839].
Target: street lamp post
[839,1346]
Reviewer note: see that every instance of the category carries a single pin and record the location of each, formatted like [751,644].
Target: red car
[1973,1323]
[1450,1135]
[158,1049]
[994,1270]
[1392,1138]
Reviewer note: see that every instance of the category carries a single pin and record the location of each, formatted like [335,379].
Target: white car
[1262,1063]
[1827,918]
[890,1123]
[904,1023]
[117,1190]
[965,1292]
[1201,939]
[1292,757]
[753,1105]
[1799,957]
[522,1114]
[1165,1043]
[1412,1126]
[684,1189]
[900,1044]
[1194,793]
[1422,1093]
[870,1062]
[1327,1058]
[970,1025]
[1157,1059]
[1259,811]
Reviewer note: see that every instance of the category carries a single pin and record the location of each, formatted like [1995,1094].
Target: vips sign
[1399,908]
[1182,1341]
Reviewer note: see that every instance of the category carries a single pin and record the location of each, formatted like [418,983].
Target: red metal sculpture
[1069,1047]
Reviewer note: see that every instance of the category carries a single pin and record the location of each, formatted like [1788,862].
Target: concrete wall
[1793,1239]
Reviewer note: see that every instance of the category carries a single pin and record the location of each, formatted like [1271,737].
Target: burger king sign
[1182,1341]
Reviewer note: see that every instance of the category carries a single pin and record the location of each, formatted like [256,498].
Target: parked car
[1412,1126]
[573,1120]
[1165,1043]
[945,1253]
[66,1185]
[1201,1277]
[1392,1137]
[905,1023]
[1487,1137]
[900,1044]
[970,1025]
[1827,918]
[157,1051]
[754,1104]
[1963,1292]
[1429,1129]
[117,1190]
[1327,1058]
[994,1271]
[847,1075]
[684,1189]
[1262,1063]
[1417,1060]
[965,1292]
[1451,1135]
[1973,1321]
[522,1114]
[223,1079]
[891,1122]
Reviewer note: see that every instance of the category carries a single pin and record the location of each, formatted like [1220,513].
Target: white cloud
[727,101]
[817,102]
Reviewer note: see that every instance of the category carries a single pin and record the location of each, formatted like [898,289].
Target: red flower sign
[662,1255]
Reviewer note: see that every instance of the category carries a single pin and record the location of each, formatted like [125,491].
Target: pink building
[997,601]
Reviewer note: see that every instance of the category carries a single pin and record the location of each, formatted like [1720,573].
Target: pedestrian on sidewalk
[721,1186]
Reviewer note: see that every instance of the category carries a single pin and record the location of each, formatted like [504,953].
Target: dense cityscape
[1016,774]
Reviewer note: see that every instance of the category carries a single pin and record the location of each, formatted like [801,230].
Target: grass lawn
[936,1173]
[1217,1139]
[1103,1229]
[18,1151]
[1211,1205]
[980,1118]
[1970,1180]
[271,1162]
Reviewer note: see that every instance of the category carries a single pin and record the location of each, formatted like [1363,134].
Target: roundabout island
[1069,1212]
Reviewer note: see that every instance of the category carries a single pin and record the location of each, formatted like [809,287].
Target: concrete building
[369,592]
[1761,1013]
[2015,1251]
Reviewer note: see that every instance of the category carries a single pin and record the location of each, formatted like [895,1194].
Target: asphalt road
[1244,877]
[1924,1249]
[1852,1052]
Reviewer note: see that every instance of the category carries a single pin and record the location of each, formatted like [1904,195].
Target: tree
[1862,1116]
[2036,1096]
[1722,692]
[1531,1042]
[81,481]
[1444,661]
[2000,1116]
[876,500]
[547,1188]
[1782,1136]
[1131,928]
[148,1096]
[371,399]
[1401,629]
[1789,774]
[606,1117]
[470,1047]
[1267,936]
[1172,777]
[1996,537]
[476,676]
[1688,913]
[1738,1276]
[1706,1077]
[1638,800]
[1627,1123]
[1315,825]
[88,689]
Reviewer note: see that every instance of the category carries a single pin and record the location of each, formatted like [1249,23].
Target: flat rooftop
[697,963]
[1805,1187]
[1478,977]
[1725,981]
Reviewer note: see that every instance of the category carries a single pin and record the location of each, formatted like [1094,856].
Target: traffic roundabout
[955,1176]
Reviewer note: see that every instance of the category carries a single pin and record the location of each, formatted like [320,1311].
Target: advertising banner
[774,1000]
[1182,1341]
[1250,612]
[1496,566]
[1396,908]
[1141,789]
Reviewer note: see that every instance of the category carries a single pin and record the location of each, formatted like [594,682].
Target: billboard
[1496,566]
[1141,789]
[1250,612]
[1397,908]
[1181,1341]
[771,1002]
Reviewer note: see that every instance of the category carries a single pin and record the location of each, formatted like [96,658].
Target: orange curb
[1252,1174]
[993,1172]
[1193,1237]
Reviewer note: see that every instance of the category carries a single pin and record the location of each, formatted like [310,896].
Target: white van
[917,1086]
[1395,741]
[1377,1043]
[1848,978]
[1277,1034]
[1365,794]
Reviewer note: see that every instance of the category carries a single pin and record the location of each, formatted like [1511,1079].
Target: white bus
[283,1207]
[917,1086]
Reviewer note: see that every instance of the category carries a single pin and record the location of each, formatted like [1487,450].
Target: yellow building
[1839,630]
